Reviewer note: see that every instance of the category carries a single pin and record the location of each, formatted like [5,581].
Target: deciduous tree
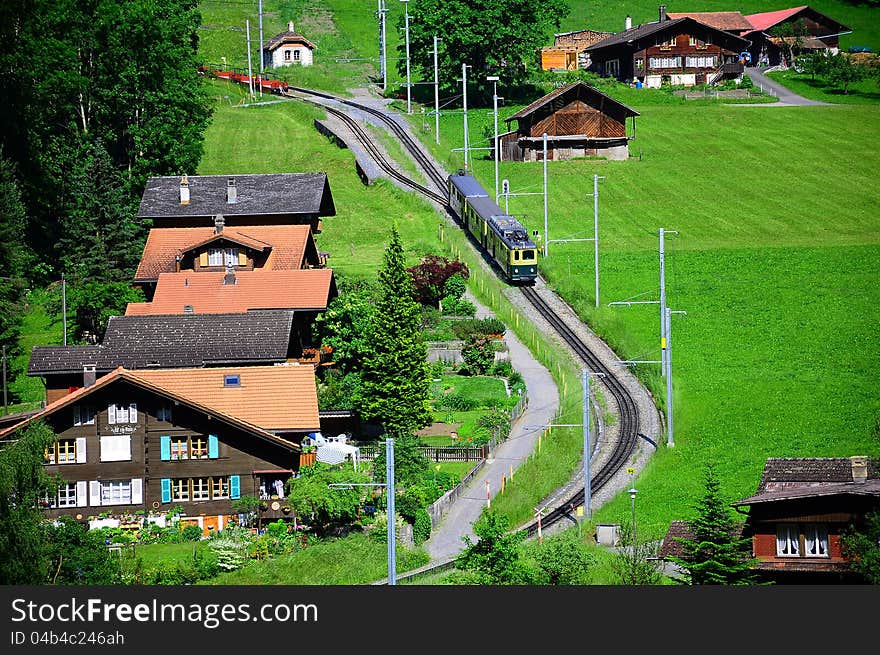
[494,38]
[861,545]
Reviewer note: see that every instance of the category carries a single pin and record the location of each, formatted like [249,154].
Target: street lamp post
[464,68]
[632,495]
[494,80]
[408,86]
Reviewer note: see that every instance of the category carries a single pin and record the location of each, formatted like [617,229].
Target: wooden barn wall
[578,117]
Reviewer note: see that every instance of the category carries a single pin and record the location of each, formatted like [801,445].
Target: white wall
[305,55]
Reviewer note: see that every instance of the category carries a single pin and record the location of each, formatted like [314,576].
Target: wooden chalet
[207,249]
[799,511]
[579,120]
[797,515]
[680,51]
[287,49]
[195,438]
[262,199]
[261,338]
[822,34]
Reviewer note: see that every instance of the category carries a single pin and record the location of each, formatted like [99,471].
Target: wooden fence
[437,453]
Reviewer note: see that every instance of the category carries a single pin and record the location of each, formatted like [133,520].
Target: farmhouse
[801,508]
[170,341]
[261,199]
[206,249]
[288,48]
[195,438]
[670,51]
[797,515]
[810,32]
[579,121]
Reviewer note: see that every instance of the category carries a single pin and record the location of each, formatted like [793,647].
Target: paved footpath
[786,97]
[447,539]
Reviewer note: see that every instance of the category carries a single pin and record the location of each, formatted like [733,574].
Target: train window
[516,254]
[528,254]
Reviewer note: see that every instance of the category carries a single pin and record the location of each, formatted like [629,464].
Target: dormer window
[222,256]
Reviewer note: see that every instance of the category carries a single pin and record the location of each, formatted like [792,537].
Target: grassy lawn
[865,91]
[166,555]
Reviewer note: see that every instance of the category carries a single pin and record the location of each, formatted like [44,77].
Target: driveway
[786,97]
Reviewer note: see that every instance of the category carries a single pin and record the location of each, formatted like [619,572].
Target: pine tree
[396,381]
[717,554]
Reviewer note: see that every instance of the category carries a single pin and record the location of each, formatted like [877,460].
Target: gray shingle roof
[809,470]
[182,340]
[269,193]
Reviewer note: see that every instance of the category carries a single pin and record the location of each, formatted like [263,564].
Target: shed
[579,120]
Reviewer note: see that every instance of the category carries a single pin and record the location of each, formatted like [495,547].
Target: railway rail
[629,415]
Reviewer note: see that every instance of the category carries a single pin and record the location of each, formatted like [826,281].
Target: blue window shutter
[165,448]
[213,447]
[166,490]
[234,487]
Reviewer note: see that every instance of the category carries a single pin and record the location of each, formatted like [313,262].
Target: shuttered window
[122,413]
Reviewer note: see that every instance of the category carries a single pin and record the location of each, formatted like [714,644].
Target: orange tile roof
[301,415]
[270,397]
[206,293]
[288,244]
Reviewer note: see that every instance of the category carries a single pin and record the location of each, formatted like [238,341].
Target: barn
[579,120]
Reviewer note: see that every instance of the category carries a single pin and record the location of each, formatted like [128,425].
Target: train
[501,235]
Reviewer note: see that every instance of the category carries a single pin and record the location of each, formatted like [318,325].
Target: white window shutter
[82,499]
[133,413]
[125,448]
[111,413]
[77,417]
[81,450]
[94,493]
[137,491]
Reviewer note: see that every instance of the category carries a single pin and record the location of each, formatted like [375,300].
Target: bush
[479,355]
[503,369]
[421,526]
[456,402]
[474,327]
[458,306]
[455,287]
[191,533]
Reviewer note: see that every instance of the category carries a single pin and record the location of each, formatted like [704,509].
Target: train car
[501,235]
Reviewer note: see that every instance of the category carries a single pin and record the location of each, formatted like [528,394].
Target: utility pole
[383,68]
[464,101]
[5,401]
[250,69]
[587,448]
[260,9]
[64,307]
[436,97]
[596,232]
[546,233]
[408,85]
[392,532]
[494,80]
[663,307]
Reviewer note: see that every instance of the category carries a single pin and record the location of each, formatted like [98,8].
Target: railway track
[628,420]
[629,415]
[375,152]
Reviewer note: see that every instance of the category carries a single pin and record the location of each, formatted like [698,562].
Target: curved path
[786,97]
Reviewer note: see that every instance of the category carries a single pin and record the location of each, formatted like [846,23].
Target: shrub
[421,526]
[458,306]
[457,402]
[479,355]
[503,369]
[191,533]
[464,330]
[455,287]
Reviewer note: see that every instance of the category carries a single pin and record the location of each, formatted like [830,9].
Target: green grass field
[775,262]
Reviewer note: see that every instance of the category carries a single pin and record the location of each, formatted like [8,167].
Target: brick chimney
[229,278]
[859,468]
[629,23]
[231,193]
[89,374]
[662,13]
[219,223]
[184,191]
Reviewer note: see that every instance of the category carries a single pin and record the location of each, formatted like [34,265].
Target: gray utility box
[607,534]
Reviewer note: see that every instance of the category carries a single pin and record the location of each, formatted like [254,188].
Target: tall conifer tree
[717,554]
